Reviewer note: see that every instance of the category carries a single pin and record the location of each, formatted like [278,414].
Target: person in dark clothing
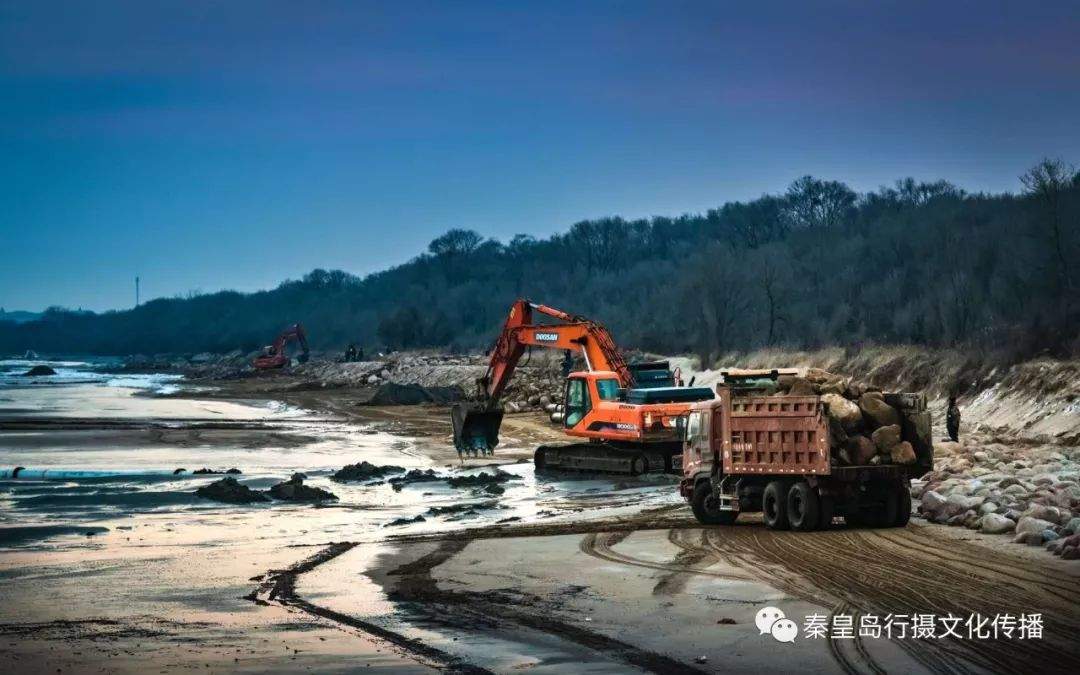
[358,355]
[350,353]
[952,420]
[567,363]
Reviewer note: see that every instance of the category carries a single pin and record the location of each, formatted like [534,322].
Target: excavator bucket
[476,428]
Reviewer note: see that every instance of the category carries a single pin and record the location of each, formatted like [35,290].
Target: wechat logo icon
[772,621]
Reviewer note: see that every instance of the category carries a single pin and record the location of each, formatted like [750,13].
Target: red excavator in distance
[274,355]
[629,416]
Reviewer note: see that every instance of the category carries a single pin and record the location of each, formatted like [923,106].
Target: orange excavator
[274,355]
[629,416]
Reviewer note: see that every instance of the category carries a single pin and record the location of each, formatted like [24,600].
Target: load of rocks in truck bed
[866,425]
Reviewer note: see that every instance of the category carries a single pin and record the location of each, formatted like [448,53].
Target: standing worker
[952,420]
[567,363]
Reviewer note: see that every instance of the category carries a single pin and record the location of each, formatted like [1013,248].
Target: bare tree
[1046,182]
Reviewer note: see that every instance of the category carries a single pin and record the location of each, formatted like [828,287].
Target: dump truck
[748,451]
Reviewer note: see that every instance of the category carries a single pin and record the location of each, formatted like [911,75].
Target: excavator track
[602,458]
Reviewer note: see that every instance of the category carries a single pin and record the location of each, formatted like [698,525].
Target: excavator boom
[576,334]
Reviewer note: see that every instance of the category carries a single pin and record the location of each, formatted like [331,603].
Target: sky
[230,144]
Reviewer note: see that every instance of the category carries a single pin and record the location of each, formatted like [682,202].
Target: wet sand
[573,589]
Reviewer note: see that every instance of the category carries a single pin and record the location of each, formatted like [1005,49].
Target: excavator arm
[476,426]
[575,333]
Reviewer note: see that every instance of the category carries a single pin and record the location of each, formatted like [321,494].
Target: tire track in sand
[854,566]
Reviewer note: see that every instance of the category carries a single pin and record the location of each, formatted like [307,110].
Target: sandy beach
[135,574]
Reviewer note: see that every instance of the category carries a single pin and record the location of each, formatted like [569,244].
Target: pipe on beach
[23,473]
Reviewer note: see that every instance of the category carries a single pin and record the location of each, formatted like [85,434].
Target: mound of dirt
[479,480]
[392,393]
[38,371]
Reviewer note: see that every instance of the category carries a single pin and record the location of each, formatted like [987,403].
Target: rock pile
[866,425]
[229,491]
[294,490]
[1029,492]
[365,470]
[406,379]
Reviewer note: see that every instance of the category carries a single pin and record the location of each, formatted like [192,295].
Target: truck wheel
[825,514]
[706,508]
[774,505]
[853,516]
[802,507]
[885,505]
[638,465]
[903,508]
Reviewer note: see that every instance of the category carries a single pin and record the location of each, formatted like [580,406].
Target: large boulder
[1030,525]
[994,523]
[902,453]
[877,412]
[819,376]
[39,371]
[885,438]
[365,470]
[1050,513]
[294,490]
[230,491]
[958,503]
[932,502]
[844,411]
[800,386]
[860,449]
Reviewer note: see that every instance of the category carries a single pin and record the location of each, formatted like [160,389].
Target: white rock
[1030,525]
[932,501]
[993,523]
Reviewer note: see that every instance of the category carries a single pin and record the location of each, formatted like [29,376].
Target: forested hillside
[920,263]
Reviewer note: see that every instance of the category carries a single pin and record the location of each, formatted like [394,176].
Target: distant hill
[817,265]
[19,316]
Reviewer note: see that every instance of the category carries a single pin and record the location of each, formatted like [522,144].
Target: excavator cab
[578,401]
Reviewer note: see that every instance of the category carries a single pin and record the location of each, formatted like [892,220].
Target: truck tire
[886,507]
[774,505]
[705,508]
[803,507]
[827,508]
[903,508]
[853,514]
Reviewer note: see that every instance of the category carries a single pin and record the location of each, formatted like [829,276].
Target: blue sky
[209,145]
